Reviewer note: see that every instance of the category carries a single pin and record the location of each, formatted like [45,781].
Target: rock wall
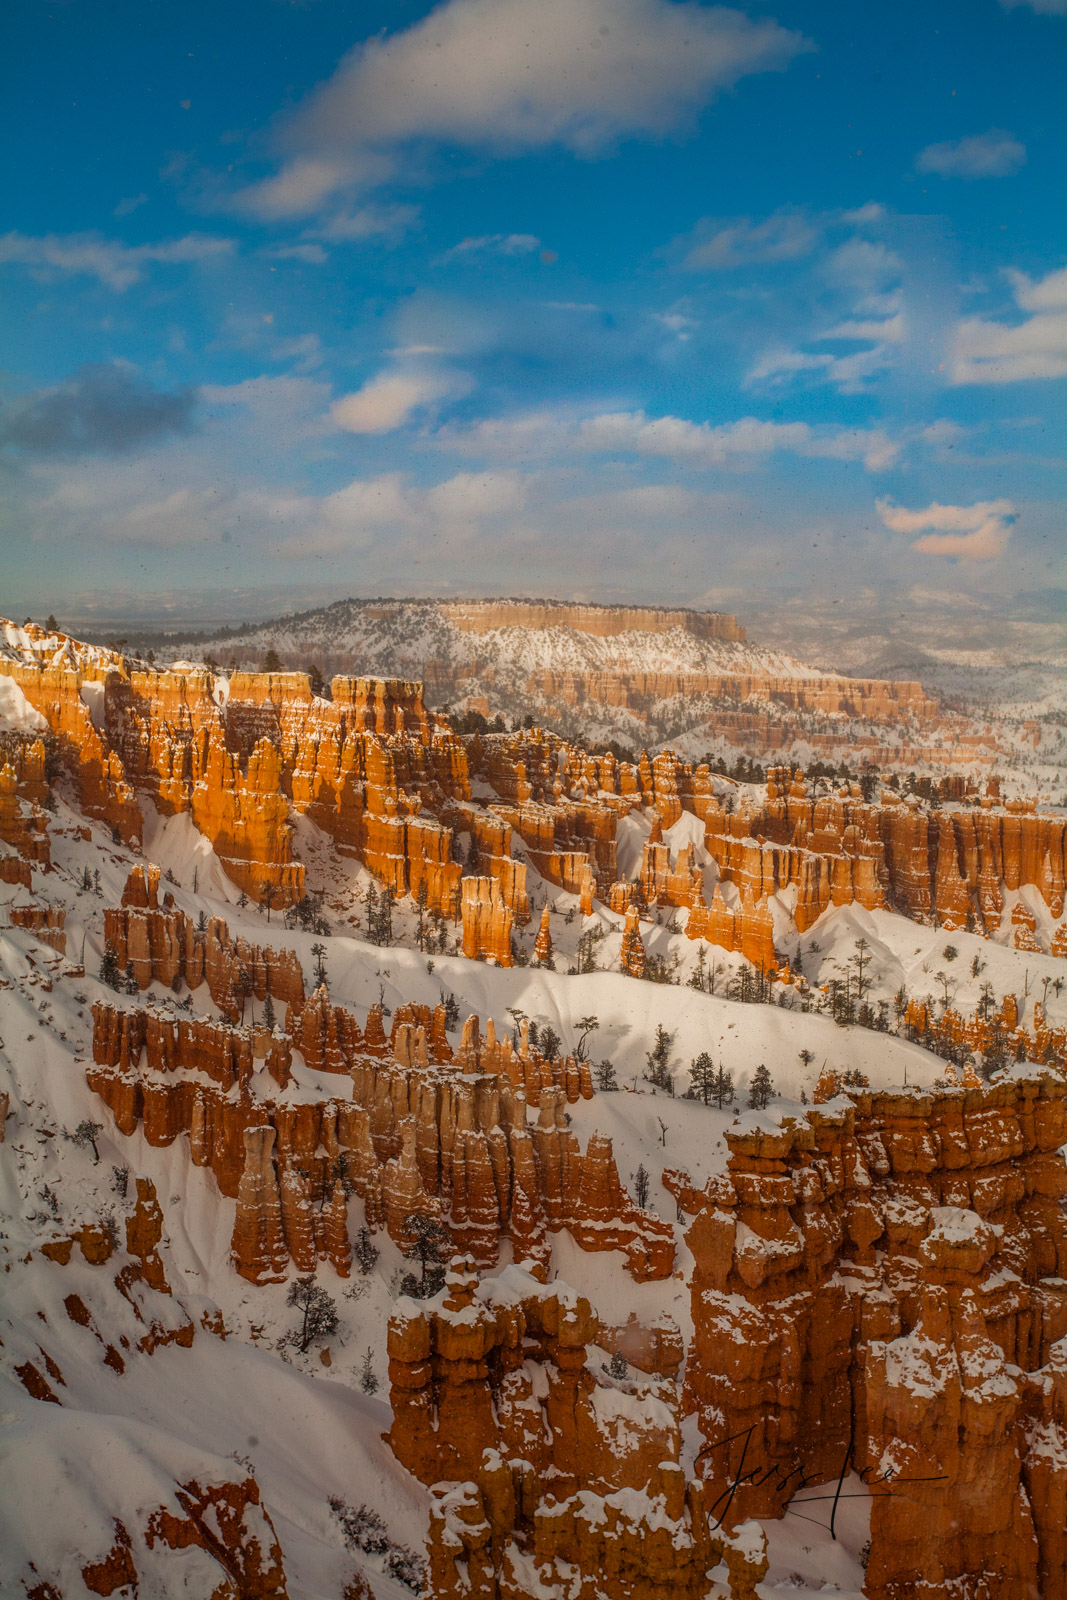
[164,945]
[419,1128]
[483,616]
[544,1471]
[861,1276]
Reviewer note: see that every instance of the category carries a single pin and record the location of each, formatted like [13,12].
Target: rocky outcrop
[164,945]
[838,849]
[25,831]
[418,1127]
[545,1471]
[746,925]
[890,1241]
[229,1523]
[487,922]
[484,616]
[47,923]
[632,952]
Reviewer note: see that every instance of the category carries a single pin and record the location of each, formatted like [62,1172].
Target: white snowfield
[117,1445]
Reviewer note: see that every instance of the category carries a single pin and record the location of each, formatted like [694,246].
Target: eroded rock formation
[883,1284]
[545,1472]
[420,1128]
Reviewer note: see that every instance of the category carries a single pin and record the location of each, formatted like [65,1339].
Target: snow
[117,1445]
[16,712]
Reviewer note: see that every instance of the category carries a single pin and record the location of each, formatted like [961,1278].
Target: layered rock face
[390,784]
[545,1472]
[883,1285]
[602,622]
[164,945]
[641,673]
[24,829]
[838,849]
[363,765]
[46,923]
[419,1129]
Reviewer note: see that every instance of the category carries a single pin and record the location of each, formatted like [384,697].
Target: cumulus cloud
[100,408]
[119,266]
[988,351]
[995,154]
[784,236]
[970,533]
[864,275]
[386,401]
[507,74]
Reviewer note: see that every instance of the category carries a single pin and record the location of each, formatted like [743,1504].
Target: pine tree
[659,1060]
[604,1076]
[723,1088]
[367,1380]
[365,1251]
[422,900]
[702,1078]
[321,979]
[427,1241]
[132,986]
[320,1317]
[86,1133]
[760,1089]
[109,967]
[268,1012]
[641,1183]
[549,1043]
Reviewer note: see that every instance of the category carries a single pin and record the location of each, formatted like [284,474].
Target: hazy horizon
[611,299]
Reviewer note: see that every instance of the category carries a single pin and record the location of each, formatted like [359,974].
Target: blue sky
[611,298]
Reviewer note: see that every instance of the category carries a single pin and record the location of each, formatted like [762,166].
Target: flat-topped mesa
[484,616]
[537,1460]
[815,1257]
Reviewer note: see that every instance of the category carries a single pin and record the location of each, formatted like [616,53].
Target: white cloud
[986,351]
[119,266]
[369,222]
[995,154]
[500,244]
[784,236]
[1045,8]
[850,374]
[313,254]
[288,408]
[508,74]
[670,438]
[970,533]
[301,187]
[352,517]
[386,401]
[890,330]
[864,264]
